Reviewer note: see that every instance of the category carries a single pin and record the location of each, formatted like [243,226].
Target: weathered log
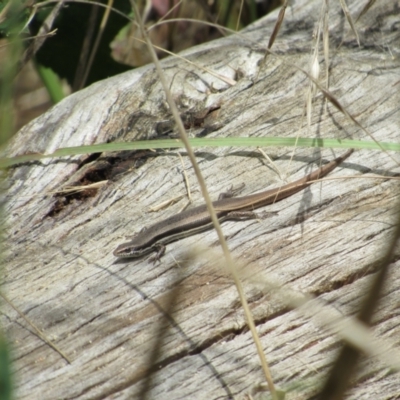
[326,240]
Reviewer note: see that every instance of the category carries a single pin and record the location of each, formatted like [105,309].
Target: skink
[197,219]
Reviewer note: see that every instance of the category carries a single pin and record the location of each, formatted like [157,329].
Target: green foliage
[14,17]
[62,52]
[5,370]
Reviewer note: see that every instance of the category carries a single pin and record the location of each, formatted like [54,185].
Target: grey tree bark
[325,241]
